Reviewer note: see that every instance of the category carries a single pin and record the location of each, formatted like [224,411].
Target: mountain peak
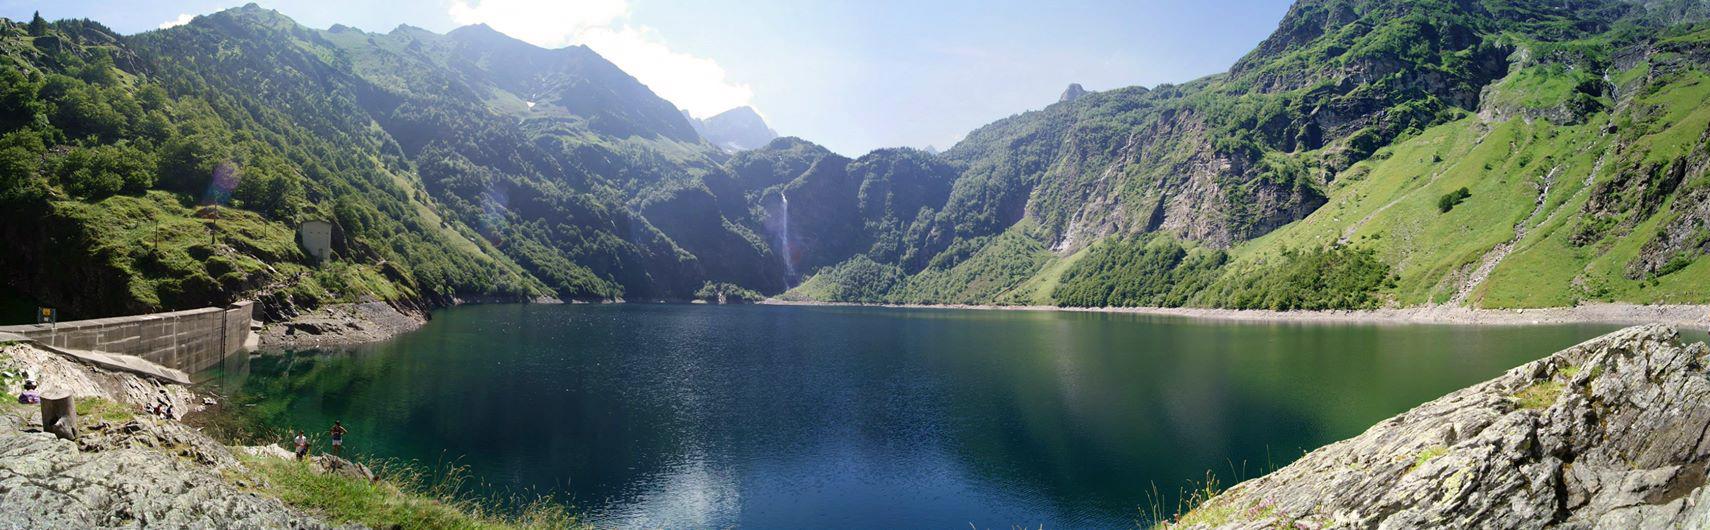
[572,79]
[408,29]
[742,112]
[477,30]
[254,15]
[737,129]
[1072,93]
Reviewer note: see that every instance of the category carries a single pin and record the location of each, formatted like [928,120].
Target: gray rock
[1606,434]
[1072,93]
[145,481]
[343,325]
[140,471]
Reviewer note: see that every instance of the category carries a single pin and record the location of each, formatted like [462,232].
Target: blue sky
[852,75]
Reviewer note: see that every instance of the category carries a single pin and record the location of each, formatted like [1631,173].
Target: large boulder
[140,477]
[1606,434]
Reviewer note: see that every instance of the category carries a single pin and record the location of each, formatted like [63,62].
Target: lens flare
[223,183]
[495,202]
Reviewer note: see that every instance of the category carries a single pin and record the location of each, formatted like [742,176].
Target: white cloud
[183,18]
[689,81]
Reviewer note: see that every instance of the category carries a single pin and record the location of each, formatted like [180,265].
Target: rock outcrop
[57,373]
[125,469]
[1072,93]
[150,478]
[1607,434]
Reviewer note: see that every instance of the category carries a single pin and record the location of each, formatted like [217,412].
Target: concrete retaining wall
[191,340]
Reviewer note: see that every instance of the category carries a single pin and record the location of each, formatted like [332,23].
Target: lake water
[790,417]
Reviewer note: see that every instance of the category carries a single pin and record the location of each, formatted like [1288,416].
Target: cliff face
[1607,434]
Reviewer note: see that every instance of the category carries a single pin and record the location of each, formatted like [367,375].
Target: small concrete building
[316,238]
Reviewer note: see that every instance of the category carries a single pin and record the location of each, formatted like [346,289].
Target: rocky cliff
[1607,434]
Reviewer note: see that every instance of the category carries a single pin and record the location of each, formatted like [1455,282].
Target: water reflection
[766,417]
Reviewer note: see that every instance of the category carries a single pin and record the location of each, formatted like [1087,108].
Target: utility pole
[214,228]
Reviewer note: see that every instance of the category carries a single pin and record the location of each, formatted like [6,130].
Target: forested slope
[169,169]
[1491,153]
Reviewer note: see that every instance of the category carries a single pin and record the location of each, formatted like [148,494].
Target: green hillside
[169,169]
[1324,169]
[1487,153]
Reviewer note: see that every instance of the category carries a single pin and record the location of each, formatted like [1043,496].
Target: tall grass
[403,495]
[1196,502]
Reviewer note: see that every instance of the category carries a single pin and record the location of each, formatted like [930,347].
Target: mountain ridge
[471,165]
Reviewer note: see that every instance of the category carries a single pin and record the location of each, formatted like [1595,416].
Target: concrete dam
[190,341]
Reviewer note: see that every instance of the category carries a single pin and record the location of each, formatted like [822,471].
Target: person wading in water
[337,436]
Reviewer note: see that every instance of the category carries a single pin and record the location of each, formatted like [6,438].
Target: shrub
[187,163]
[1451,199]
[1335,277]
[95,173]
[1138,272]
[726,293]
[862,280]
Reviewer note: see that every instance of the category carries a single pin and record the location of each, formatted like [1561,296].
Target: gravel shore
[1680,316]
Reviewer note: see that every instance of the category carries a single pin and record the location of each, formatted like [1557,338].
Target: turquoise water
[792,417]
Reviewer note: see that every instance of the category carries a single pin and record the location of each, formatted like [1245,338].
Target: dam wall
[191,340]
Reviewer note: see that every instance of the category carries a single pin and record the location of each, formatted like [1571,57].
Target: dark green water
[767,417]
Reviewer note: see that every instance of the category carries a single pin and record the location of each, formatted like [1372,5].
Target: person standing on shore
[302,445]
[337,436]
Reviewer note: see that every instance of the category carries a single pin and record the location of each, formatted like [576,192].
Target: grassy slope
[1037,289]
[1389,203]
[166,252]
[1010,259]
[1504,166]
[1548,270]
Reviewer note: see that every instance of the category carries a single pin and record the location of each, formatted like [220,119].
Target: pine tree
[38,25]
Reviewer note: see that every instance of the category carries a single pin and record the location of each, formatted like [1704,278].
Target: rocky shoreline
[353,324]
[125,468]
[1610,433]
[1684,316]
[342,325]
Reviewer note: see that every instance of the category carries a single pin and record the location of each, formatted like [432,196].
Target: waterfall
[784,236]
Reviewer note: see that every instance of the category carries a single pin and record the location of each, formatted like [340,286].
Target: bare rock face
[123,470]
[146,481]
[1607,434]
[1072,93]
